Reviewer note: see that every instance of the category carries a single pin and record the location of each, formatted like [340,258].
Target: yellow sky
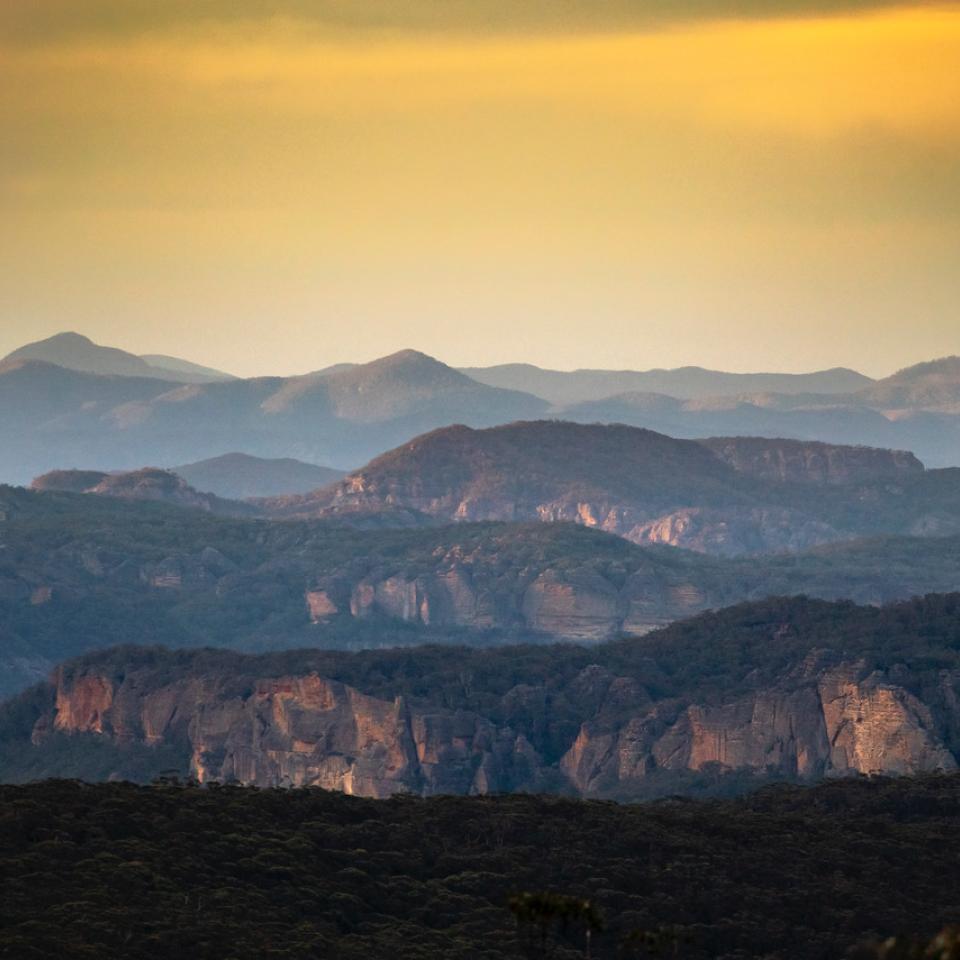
[276,194]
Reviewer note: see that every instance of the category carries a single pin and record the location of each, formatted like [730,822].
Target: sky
[273,187]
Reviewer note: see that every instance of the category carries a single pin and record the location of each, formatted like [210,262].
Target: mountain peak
[408,355]
[408,363]
[404,364]
[74,351]
[405,370]
[238,476]
[68,337]
[544,469]
[77,352]
[408,384]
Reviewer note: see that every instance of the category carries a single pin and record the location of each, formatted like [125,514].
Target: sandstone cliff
[308,730]
[821,721]
[618,720]
[806,461]
[737,531]
[295,730]
[486,586]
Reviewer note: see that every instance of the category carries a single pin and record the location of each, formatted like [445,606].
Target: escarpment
[826,721]
[808,461]
[308,730]
[752,691]
[294,730]
[571,601]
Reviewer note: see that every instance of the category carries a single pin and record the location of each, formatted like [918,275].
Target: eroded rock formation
[808,461]
[571,601]
[821,718]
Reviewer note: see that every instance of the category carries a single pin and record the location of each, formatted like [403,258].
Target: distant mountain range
[503,506]
[916,409]
[52,417]
[564,388]
[727,496]
[66,402]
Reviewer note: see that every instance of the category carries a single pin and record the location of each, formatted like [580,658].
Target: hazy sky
[277,186]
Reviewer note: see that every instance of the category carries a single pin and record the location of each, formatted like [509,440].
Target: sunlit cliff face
[309,731]
[605,187]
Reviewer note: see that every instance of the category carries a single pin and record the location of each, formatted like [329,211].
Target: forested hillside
[80,573]
[120,871]
[784,689]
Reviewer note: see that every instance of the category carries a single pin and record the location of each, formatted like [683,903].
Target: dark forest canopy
[173,871]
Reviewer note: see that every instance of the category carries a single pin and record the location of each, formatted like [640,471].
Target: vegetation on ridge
[169,871]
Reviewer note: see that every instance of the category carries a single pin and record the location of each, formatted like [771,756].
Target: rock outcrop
[806,461]
[737,531]
[472,588]
[296,731]
[822,717]
[821,721]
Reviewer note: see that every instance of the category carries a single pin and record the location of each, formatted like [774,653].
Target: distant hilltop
[77,352]
[727,496]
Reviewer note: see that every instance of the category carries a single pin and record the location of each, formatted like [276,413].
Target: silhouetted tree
[540,913]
